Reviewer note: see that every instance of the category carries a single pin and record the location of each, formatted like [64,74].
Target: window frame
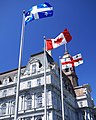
[39,99]
[33,68]
[29,102]
[3,108]
[38,81]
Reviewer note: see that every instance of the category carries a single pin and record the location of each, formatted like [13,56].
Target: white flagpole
[62,96]
[19,68]
[65,47]
[45,93]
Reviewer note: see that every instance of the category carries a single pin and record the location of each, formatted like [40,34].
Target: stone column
[0,110]
[33,101]
[86,117]
[23,98]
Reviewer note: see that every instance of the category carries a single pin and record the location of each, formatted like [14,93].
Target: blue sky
[78,16]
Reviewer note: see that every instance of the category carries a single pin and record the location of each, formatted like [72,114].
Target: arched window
[10,79]
[29,102]
[29,118]
[33,68]
[38,118]
[35,65]
[4,92]
[39,100]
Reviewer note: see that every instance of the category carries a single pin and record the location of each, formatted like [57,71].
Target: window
[67,70]
[29,84]
[4,92]
[34,68]
[29,102]
[38,118]
[38,81]
[39,100]
[27,72]
[3,109]
[29,118]
[81,104]
[10,79]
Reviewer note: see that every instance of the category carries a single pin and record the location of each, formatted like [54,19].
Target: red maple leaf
[58,41]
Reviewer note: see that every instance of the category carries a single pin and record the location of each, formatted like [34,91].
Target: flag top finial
[24,11]
[44,37]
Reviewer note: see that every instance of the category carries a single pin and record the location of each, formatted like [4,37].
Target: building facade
[77,106]
[83,94]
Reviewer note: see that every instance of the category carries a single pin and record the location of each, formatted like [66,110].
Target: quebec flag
[39,11]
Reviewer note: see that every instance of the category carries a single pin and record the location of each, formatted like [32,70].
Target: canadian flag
[61,39]
[71,61]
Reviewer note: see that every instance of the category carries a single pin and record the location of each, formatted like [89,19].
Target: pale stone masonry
[78,104]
